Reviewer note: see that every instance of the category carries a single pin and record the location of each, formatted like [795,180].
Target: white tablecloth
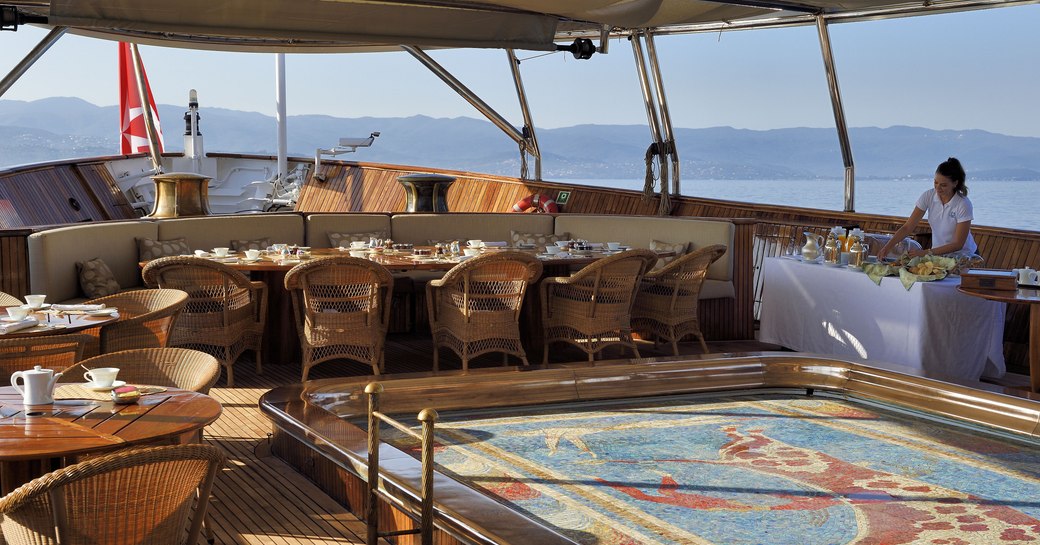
[932,329]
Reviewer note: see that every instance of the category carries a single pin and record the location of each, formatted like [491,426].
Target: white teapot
[39,385]
[811,250]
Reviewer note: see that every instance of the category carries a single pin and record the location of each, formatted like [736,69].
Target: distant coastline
[61,128]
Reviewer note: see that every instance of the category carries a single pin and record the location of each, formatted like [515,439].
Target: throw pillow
[96,279]
[343,240]
[258,244]
[680,248]
[150,249]
[517,238]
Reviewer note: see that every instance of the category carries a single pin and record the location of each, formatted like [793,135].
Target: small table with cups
[53,320]
[1024,295]
[36,439]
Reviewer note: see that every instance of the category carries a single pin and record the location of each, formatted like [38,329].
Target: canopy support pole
[146,106]
[662,103]
[279,71]
[839,114]
[530,144]
[466,93]
[31,58]
[659,145]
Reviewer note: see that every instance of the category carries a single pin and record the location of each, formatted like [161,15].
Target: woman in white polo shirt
[949,215]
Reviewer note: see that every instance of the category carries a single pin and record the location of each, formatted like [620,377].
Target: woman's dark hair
[952,169]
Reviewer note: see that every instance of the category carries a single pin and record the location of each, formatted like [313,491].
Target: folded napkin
[496,244]
[62,308]
[10,327]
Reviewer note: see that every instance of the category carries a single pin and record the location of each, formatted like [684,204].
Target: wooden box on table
[989,279]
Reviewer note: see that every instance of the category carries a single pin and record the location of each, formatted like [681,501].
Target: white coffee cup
[252,254]
[552,250]
[19,312]
[35,301]
[221,252]
[201,253]
[563,243]
[102,377]
[358,244]
[1025,276]
[475,243]
[613,246]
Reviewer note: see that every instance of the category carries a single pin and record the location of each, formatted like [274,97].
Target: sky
[975,70]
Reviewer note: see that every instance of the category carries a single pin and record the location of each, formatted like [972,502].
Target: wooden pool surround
[311,431]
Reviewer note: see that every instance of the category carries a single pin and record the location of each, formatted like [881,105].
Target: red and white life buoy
[542,203]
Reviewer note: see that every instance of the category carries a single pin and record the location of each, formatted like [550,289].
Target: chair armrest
[258,290]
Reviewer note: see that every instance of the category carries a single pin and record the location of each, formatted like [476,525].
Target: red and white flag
[133,135]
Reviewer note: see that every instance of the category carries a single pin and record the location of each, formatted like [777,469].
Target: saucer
[115,384]
[41,307]
[10,319]
[102,311]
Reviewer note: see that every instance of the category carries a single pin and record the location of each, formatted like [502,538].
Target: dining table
[52,322]
[280,344]
[1023,295]
[37,439]
[930,329]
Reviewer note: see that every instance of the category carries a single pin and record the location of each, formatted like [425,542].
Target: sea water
[999,203]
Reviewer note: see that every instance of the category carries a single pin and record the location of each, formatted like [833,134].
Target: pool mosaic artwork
[762,470]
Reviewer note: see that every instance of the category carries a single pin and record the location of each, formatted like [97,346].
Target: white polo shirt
[943,218]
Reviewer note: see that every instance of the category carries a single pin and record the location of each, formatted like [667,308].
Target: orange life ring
[543,203]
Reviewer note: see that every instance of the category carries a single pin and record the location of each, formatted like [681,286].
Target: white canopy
[339,25]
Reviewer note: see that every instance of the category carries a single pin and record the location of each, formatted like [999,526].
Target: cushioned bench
[53,253]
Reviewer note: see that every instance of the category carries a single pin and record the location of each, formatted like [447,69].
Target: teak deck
[259,500]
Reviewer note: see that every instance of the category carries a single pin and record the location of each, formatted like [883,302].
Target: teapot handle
[14,381]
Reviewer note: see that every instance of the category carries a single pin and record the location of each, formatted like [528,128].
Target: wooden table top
[1021,295]
[403,260]
[54,323]
[75,426]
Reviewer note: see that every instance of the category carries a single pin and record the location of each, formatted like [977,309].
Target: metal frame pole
[839,114]
[149,123]
[31,57]
[521,95]
[662,103]
[372,509]
[463,91]
[655,127]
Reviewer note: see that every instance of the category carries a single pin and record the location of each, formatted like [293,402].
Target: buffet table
[931,329]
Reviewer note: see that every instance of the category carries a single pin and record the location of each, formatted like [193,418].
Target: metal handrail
[428,417]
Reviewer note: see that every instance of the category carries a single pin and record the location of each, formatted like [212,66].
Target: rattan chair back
[475,308]
[341,306]
[57,352]
[224,314]
[8,300]
[172,367]
[666,304]
[592,308]
[151,496]
[146,318]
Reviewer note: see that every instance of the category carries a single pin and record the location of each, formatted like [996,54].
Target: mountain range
[61,128]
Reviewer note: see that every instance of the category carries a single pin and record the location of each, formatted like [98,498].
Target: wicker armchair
[475,308]
[173,367]
[225,311]
[145,318]
[8,300]
[57,352]
[153,496]
[592,308]
[666,303]
[342,310]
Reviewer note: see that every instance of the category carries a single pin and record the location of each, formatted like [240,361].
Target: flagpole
[149,123]
[279,71]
